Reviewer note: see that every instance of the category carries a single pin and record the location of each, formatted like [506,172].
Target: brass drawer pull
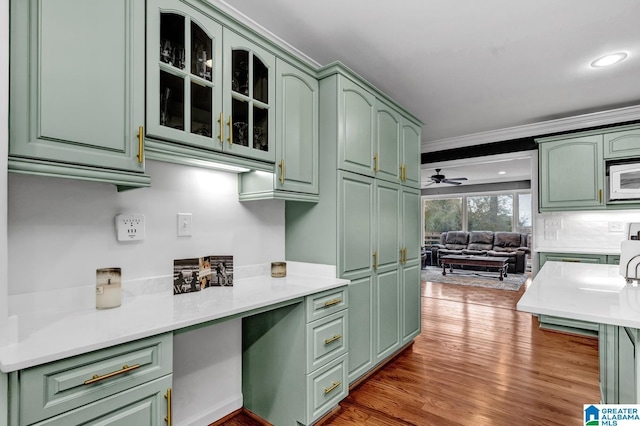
[230,138]
[167,396]
[571,260]
[281,165]
[332,302]
[140,144]
[333,339]
[332,387]
[375,160]
[125,369]
[221,122]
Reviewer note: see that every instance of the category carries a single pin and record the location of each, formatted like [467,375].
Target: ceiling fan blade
[451,182]
[460,178]
[430,183]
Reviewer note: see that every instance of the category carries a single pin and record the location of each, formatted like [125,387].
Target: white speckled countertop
[45,336]
[583,291]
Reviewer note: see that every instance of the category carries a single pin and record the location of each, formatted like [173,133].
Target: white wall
[4,143]
[61,231]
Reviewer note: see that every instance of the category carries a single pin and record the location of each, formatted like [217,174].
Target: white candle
[108,288]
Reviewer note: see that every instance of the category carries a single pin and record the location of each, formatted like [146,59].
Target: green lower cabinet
[294,359]
[619,362]
[411,308]
[361,357]
[143,405]
[387,314]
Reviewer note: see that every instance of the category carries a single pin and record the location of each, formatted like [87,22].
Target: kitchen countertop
[49,336]
[578,250]
[583,291]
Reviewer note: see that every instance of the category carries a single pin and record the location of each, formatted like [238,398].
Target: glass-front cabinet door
[249,95]
[184,75]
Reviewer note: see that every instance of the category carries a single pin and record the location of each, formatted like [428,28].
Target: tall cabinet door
[249,98]
[356,137]
[410,154]
[410,270]
[77,82]
[355,225]
[184,74]
[572,173]
[296,130]
[387,155]
[410,224]
[387,313]
[361,326]
[387,225]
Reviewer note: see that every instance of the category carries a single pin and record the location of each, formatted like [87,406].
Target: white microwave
[624,181]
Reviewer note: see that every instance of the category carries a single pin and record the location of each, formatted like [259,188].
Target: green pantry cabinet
[565,324]
[573,167]
[367,220]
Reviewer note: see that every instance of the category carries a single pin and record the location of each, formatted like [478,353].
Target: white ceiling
[466,67]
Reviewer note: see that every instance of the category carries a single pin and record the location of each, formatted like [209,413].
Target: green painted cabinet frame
[296,110]
[73,114]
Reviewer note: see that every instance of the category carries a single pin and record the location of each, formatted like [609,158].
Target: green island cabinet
[573,168]
[565,324]
[73,114]
[619,357]
[365,225]
[294,359]
[128,384]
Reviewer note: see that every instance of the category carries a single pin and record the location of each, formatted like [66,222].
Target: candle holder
[278,269]
[108,288]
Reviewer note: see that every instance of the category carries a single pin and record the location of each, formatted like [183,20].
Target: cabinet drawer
[57,387]
[327,387]
[326,303]
[326,339]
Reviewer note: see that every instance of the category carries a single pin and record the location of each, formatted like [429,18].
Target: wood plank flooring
[478,361]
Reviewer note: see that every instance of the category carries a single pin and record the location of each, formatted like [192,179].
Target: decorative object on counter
[278,269]
[108,288]
[221,270]
[186,277]
[630,260]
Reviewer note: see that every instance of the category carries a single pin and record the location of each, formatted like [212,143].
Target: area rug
[476,279]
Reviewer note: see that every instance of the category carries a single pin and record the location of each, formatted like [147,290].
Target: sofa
[513,245]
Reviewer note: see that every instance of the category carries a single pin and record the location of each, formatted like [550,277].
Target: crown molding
[602,118]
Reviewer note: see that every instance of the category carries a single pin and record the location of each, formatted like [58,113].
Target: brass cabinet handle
[570,260]
[332,302]
[333,339]
[375,260]
[281,165]
[125,369]
[600,195]
[140,144]
[401,255]
[221,122]
[404,172]
[230,138]
[375,161]
[168,398]
[332,387]
[405,255]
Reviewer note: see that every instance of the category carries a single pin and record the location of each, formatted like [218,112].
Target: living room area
[478,220]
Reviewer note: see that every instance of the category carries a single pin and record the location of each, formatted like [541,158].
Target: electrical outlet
[616,227]
[550,234]
[185,224]
[130,227]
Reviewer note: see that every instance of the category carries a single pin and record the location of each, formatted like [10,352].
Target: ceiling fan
[438,178]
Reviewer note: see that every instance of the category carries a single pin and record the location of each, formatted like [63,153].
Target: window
[490,213]
[507,211]
[439,216]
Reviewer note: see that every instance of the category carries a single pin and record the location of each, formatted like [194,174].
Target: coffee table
[500,263]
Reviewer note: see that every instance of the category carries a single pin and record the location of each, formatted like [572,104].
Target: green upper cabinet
[621,144]
[77,90]
[208,87]
[249,98]
[357,130]
[184,75]
[296,141]
[571,173]
[387,164]
[410,167]
[387,232]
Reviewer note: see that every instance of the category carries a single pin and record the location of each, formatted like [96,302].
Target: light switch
[185,224]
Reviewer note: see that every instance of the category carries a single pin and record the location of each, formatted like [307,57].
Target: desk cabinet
[295,359]
[126,381]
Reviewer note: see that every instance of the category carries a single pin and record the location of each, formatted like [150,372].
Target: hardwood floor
[478,361]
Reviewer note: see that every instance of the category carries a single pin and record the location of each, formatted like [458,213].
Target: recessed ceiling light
[610,59]
[502,172]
